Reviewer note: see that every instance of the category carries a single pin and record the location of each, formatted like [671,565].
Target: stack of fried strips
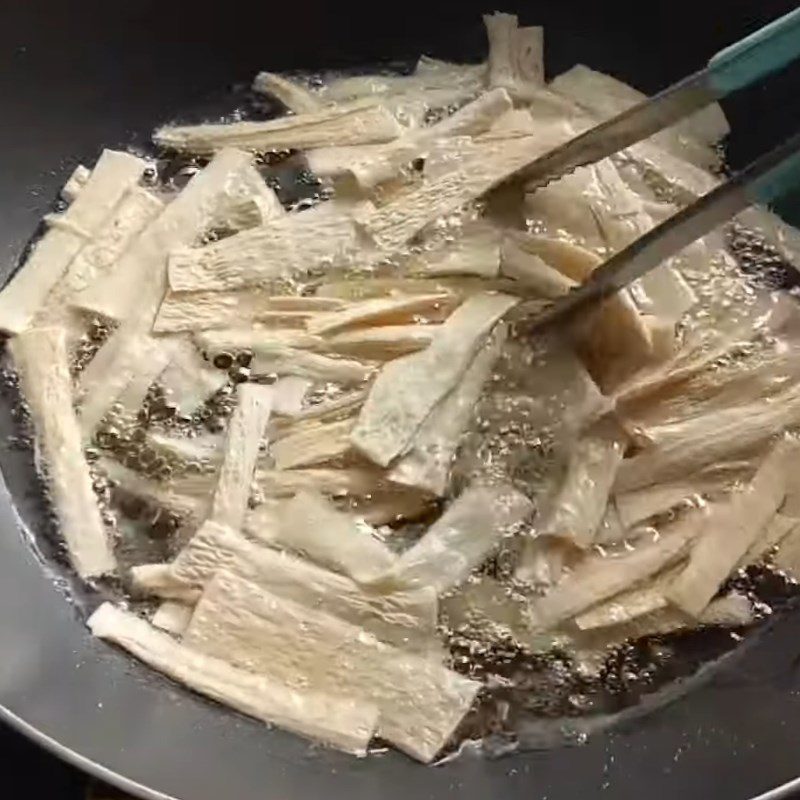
[374,322]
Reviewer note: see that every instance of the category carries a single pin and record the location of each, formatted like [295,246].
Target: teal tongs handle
[780,179]
[760,54]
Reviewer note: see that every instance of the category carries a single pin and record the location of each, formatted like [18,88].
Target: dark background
[76,76]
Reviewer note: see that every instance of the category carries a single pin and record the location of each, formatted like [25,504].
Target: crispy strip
[357,123]
[284,248]
[383,311]
[687,445]
[420,702]
[199,311]
[132,213]
[407,390]
[460,539]
[582,498]
[245,433]
[293,95]
[427,464]
[69,232]
[384,343]
[599,577]
[136,287]
[344,723]
[310,524]
[731,529]
[405,619]
[463,173]
[40,356]
[315,445]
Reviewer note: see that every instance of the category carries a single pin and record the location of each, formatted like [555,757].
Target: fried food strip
[200,311]
[245,433]
[282,249]
[405,619]
[426,465]
[599,577]
[358,123]
[383,311]
[310,524]
[335,720]
[407,389]
[40,356]
[419,701]
[68,233]
[460,539]
[582,498]
[293,95]
[315,445]
[731,529]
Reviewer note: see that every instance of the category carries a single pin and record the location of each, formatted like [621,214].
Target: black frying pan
[77,76]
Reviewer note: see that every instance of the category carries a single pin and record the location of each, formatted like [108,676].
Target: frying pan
[77,76]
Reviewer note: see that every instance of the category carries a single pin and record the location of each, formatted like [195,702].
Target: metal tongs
[765,180]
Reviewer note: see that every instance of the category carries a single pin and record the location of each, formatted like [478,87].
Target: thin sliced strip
[466,171]
[383,311]
[308,523]
[69,232]
[686,446]
[173,617]
[356,124]
[330,718]
[199,311]
[405,619]
[461,538]
[475,252]
[292,94]
[40,356]
[628,606]
[407,390]
[426,466]
[581,501]
[384,343]
[136,287]
[318,367]
[732,528]
[379,164]
[344,405]
[242,444]
[599,577]
[356,481]
[283,249]
[262,341]
[315,445]
[639,505]
[134,211]
[420,702]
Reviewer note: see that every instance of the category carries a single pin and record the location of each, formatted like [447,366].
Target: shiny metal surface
[664,109]
[76,76]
